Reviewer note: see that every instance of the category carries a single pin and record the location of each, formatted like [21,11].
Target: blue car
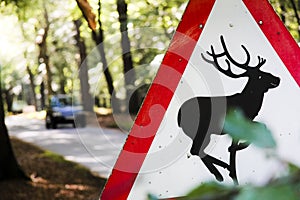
[62,110]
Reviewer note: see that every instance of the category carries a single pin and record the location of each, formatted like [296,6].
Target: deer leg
[210,166]
[232,164]
[242,145]
[209,162]
[235,146]
[217,161]
[198,142]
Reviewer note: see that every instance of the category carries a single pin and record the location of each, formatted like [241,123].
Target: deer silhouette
[198,118]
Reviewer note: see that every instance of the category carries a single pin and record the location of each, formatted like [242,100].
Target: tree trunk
[87,100]
[86,10]
[9,168]
[31,76]
[62,84]
[98,39]
[9,99]
[43,56]
[296,15]
[62,80]
[282,13]
[32,86]
[127,58]
[43,96]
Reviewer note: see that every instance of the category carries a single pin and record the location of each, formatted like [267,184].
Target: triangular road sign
[215,44]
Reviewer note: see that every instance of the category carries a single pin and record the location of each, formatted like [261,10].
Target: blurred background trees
[45,43]
[95,50]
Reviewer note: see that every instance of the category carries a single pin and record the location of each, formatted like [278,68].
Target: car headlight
[56,114]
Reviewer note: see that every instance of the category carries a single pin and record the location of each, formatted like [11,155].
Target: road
[94,147]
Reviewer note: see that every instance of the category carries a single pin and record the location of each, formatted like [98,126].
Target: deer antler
[215,63]
[261,62]
[242,66]
[228,72]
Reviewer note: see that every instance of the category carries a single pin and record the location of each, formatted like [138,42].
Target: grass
[52,177]
[55,157]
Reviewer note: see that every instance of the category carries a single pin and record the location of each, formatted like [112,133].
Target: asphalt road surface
[94,147]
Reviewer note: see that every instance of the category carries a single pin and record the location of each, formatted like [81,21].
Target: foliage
[12,58]
[148,34]
[241,128]
[285,187]
[27,26]
[212,191]
[276,192]
[289,15]
[151,24]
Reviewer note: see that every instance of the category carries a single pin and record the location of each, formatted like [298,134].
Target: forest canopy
[43,46]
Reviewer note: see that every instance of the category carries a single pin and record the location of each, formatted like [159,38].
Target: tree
[128,70]
[83,71]
[29,71]
[98,38]
[295,9]
[289,14]
[43,57]
[11,58]
[32,85]
[9,168]
[25,31]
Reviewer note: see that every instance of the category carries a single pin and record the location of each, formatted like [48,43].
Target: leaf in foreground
[268,193]
[241,128]
[211,191]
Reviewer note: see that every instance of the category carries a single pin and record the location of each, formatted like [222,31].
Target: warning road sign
[222,53]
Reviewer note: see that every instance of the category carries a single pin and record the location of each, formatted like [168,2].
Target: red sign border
[121,182]
[277,34]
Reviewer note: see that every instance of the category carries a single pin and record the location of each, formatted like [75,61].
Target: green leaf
[209,190]
[241,128]
[268,193]
[293,168]
[152,197]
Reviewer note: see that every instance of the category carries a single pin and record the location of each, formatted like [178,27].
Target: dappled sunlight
[102,57]
[51,177]
[35,115]
[62,189]
[80,159]
[36,179]
[102,111]
[11,40]
[99,147]
[94,147]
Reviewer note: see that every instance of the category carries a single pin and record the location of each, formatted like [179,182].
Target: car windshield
[66,101]
[61,101]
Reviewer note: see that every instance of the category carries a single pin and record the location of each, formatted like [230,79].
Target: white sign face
[170,169]
[233,64]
